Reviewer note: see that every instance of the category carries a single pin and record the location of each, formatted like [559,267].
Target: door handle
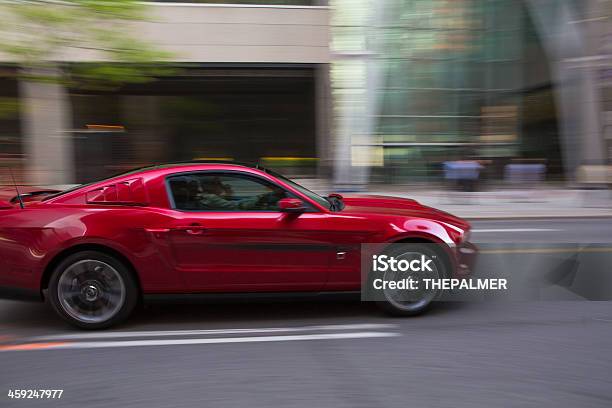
[195,229]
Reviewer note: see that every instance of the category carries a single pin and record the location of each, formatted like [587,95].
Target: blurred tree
[9,107]
[38,34]
[56,45]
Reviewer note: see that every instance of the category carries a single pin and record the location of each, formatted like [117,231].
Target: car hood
[375,204]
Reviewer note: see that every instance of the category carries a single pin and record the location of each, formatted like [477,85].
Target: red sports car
[95,251]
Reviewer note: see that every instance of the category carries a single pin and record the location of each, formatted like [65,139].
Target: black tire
[442,266]
[92,290]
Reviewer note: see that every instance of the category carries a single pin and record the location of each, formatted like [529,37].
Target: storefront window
[250,115]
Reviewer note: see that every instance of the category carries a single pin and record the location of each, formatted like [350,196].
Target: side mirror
[291,205]
[336,195]
[5,205]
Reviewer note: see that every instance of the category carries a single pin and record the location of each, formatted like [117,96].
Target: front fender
[421,228]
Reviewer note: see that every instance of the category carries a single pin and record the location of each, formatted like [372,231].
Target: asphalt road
[546,231]
[331,354]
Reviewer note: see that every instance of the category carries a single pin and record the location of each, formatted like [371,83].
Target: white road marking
[222,340]
[161,333]
[517,230]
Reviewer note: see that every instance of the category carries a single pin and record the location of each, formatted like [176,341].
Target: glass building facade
[419,82]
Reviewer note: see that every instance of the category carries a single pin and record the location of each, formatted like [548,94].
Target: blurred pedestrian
[463,174]
[526,177]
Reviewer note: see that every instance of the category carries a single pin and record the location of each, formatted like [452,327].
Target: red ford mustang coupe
[95,251]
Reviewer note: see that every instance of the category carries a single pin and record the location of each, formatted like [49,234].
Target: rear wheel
[92,290]
[402,302]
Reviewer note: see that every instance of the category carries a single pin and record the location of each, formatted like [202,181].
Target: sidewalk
[514,204]
[499,204]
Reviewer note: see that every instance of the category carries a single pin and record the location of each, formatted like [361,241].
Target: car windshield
[310,194]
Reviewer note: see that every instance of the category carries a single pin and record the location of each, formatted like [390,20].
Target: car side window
[224,192]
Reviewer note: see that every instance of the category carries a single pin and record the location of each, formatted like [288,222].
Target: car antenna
[16,189]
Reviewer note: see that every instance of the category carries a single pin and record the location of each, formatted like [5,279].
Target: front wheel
[401,302]
[92,290]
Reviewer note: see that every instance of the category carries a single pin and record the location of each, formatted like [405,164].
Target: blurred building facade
[251,83]
[360,91]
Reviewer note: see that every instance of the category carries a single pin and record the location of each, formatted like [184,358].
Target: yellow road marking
[545,250]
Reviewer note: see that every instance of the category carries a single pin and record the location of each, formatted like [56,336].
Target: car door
[229,235]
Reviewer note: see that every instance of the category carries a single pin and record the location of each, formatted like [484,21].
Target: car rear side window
[224,192]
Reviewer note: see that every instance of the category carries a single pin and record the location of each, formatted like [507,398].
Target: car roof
[198,162]
[171,165]
[189,166]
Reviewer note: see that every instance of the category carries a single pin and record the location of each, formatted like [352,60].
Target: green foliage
[39,35]
[9,107]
